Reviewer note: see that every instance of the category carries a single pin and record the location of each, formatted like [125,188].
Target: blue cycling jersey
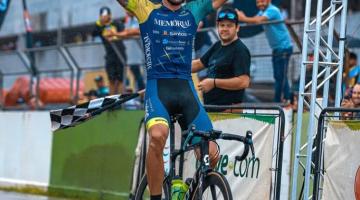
[168,36]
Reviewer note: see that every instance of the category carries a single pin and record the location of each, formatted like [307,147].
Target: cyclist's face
[176,2]
[227,30]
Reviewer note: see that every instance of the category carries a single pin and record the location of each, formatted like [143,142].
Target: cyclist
[167,32]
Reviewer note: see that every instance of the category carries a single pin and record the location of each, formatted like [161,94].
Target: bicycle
[206,183]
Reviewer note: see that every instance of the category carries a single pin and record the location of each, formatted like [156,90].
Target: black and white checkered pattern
[74,115]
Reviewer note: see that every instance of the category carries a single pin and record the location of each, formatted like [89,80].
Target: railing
[72,60]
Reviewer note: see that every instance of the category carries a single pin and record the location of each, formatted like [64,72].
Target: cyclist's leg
[157,122]
[201,121]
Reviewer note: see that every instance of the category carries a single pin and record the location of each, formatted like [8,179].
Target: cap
[228,13]
[98,78]
[105,11]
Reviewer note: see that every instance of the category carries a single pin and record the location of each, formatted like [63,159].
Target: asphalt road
[20,196]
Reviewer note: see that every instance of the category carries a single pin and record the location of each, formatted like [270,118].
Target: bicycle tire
[216,183]
[142,192]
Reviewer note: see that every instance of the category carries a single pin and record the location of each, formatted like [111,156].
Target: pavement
[4,195]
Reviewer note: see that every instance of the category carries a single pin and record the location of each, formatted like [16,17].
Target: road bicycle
[206,183]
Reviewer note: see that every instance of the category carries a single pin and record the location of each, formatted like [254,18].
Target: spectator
[101,91]
[115,58]
[352,100]
[201,44]
[228,64]
[132,29]
[354,70]
[280,42]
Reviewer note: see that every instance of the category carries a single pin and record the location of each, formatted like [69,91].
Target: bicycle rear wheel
[215,187]
[143,192]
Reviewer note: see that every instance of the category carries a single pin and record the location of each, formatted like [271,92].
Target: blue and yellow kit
[168,38]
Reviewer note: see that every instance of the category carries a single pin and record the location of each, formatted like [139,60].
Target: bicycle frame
[204,167]
[200,173]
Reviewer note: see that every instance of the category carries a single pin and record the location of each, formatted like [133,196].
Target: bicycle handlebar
[214,135]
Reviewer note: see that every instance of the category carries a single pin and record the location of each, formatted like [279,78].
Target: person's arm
[218,3]
[251,20]
[196,66]
[235,83]
[125,33]
[141,9]
[201,8]
[132,32]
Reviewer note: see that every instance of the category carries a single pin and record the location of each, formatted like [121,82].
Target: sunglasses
[227,15]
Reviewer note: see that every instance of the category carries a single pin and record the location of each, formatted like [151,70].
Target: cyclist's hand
[206,85]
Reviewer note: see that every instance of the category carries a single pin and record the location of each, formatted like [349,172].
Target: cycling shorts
[167,97]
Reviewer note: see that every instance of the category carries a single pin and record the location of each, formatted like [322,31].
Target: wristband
[214,83]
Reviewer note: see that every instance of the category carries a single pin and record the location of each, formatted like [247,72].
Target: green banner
[95,159]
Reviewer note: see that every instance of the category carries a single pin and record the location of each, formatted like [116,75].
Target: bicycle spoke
[213,191]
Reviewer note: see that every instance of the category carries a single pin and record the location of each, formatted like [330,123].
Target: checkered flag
[74,115]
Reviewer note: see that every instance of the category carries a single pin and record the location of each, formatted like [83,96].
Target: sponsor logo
[165,33]
[172,23]
[165,41]
[182,34]
[174,48]
[147,47]
[156,32]
[248,168]
[206,160]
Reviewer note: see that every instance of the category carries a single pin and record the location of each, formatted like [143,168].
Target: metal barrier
[12,64]
[50,60]
[81,61]
[318,158]
[253,109]
[74,59]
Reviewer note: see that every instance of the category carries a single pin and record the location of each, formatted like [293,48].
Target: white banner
[25,148]
[249,179]
[342,161]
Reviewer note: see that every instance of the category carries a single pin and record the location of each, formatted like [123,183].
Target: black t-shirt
[226,62]
[100,30]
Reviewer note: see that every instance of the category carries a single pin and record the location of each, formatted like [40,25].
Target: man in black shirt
[228,64]
[115,59]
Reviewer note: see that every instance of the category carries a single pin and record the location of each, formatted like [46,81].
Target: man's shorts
[166,97]
[114,69]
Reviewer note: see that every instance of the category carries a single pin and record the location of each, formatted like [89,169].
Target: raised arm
[141,9]
[252,20]
[218,3]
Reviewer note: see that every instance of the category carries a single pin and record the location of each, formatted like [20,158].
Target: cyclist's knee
[158,134]
[214,153]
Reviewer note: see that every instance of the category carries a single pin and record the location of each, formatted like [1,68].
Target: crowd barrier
[336,160]
[73,61]
[262,177]
[101,166]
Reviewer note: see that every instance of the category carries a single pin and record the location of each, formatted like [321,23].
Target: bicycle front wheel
[143,192]
[215,187]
